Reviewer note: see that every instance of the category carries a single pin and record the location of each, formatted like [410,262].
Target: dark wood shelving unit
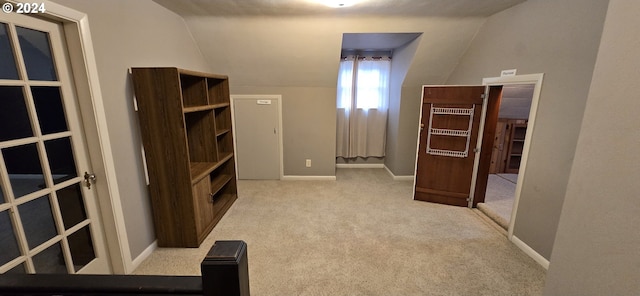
[516,145]
[185,120]
[508,146]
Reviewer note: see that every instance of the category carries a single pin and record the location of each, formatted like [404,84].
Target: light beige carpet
[360,235]
[513,178]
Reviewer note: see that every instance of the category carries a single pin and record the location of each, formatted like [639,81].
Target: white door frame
[278,99]
[85,71]
[535,79]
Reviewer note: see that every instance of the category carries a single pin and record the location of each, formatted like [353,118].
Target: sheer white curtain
[363,100]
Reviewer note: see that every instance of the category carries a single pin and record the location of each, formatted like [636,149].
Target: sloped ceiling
[435,8]
[297,43]
[376,41]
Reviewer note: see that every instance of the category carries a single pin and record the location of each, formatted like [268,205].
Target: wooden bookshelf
[516,145]
[185,121]
[508,146]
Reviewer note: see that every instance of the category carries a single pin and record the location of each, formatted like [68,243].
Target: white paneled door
[49,221]
[257,136]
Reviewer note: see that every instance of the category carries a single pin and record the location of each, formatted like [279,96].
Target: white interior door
[49,220]
[257,136]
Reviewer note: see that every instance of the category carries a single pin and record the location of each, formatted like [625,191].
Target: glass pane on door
[24,169]
[50,260]
[14,118]
[36,52]
[7,58]
[18,269]
[37,221]
[8,243]
[61,162]
[81,248]
[71,205]
[49,109]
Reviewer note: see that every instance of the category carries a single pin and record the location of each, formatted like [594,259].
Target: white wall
[396,127]
[559,39]
[129,34]
[298,57]
[597,249]
[307,134]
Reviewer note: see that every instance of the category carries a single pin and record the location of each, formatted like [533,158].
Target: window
[370,75]
[363,99]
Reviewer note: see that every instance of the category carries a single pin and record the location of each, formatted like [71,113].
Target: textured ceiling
[516,101]
[518,91]
[443,8]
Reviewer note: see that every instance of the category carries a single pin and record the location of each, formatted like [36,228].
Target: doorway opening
[534,80]
[457,174]
[506,156]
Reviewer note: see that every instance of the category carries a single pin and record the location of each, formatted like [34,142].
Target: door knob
[88,179]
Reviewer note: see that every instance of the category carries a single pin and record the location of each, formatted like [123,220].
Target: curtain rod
[342,57]
[365,52]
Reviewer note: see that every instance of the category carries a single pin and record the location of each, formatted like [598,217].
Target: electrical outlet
[308,163]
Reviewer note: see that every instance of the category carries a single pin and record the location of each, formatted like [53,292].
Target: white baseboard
[531,252]
[144,255]
[399,178]
[308,178]
[359,165]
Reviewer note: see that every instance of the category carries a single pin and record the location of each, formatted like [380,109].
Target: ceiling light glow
[338,3]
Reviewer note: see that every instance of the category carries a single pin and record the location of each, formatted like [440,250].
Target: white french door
[49,220]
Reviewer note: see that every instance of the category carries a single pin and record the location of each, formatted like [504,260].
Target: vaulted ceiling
[438,8]
[297,43]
